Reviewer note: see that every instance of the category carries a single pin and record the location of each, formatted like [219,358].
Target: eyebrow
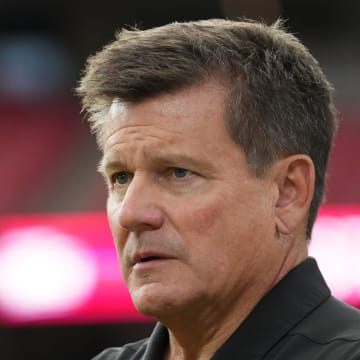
[155,159]
[105,168]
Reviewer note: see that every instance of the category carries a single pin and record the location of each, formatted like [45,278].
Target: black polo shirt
[297,320]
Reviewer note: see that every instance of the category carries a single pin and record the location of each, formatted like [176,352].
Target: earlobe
[295,182]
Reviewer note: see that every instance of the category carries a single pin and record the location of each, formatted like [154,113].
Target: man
[215,137]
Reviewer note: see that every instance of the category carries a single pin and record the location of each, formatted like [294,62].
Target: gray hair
[278,101]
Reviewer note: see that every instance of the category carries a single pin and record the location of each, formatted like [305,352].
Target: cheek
[216,246]
[203,217]
[207,228]
[224,225]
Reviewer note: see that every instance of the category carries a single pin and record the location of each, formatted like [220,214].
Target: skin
[182,196]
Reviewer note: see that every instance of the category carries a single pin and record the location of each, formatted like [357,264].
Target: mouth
[143,258]
[150,258]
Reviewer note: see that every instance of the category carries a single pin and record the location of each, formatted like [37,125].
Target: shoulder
[332,320]
[331,331]
[128,351]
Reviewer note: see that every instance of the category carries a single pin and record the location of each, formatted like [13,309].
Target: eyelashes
[123,178]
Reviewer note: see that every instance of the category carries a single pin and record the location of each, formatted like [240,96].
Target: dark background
[48,158]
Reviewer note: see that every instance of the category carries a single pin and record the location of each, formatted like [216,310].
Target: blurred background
[48,158]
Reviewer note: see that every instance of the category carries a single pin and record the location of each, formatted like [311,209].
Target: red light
[63,268]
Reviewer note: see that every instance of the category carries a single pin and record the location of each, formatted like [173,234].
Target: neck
[205,333]
[198,334]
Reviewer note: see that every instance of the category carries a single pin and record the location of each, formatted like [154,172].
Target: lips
[148,256]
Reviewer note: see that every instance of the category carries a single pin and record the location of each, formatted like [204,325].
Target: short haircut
[278,101]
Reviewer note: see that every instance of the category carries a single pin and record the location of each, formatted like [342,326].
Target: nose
[139,210]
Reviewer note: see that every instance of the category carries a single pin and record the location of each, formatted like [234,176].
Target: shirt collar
[157,344]
[296,295]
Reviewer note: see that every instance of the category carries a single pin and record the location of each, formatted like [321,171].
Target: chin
[155,301]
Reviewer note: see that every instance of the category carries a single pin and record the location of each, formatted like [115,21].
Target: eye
[180,173]
[121,178]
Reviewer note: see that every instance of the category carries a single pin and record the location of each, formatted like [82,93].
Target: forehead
[173,127]
[185,108]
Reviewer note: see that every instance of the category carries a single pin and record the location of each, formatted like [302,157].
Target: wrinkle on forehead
[134,144]
[178,105]
[135,134]
[119,123]
[168,122]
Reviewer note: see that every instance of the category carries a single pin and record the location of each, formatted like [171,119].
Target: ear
[295,181]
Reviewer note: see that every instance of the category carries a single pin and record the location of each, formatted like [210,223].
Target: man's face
[193,228]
